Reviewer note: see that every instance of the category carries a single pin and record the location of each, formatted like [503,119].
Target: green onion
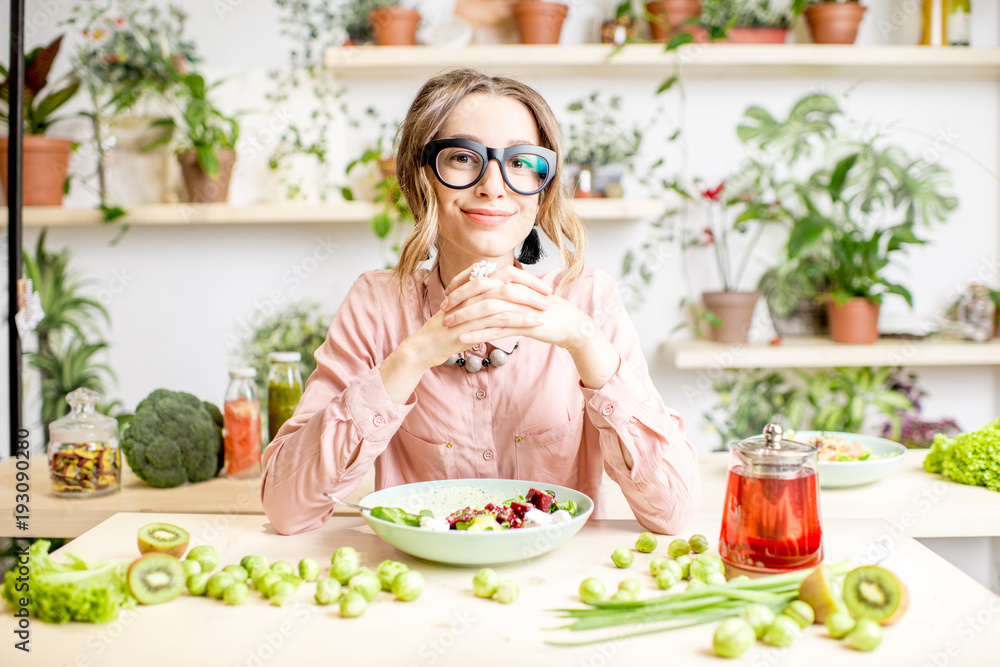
[680,610]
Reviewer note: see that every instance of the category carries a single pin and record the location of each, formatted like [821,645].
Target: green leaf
[839,176]
[347,194]
[208,159]
[711,318]
[381,224]
[667,84]
[111,213]
[805,233]
[50,103]
[679,40]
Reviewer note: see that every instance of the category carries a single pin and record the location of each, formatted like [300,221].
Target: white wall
[178,295]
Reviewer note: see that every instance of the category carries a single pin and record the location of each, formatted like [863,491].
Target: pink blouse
[530,419]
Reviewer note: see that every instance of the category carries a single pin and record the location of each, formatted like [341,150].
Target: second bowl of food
[851,459]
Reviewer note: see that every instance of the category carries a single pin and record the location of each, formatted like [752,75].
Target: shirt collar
[433,291]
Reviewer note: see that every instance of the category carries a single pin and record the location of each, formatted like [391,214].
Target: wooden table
[951,618]
[54,516]
[913,501]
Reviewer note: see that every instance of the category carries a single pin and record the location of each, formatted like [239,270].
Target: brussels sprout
[352,603]
[408,586]
[732,638]
[685,563]
[191,567]
[591,590]
[328,591]
[282,567]
[267,582]
[758,616]
[646,543]
[623,595]
[282,592]
[485,583]
[839,624]
[866,635]
[252,562]
[238,572]
[678,548]
[783,631]
[236,594]
[716,579]
[346,552]
[367,583]
[712,562]
[800,612]
[665,579]
[218,583]
[622,557]
[631,585]
[197,584]
[342,570]
[309,569]
[387,571]
[507,591]
[698,544]
[205,554]
[657,564]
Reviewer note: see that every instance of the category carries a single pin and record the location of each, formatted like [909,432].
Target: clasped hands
[509,302]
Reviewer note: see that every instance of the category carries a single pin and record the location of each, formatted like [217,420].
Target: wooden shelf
[590,210]
[806,352]
[636,60]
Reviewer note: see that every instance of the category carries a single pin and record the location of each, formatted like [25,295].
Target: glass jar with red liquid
[770,520]
[242,425]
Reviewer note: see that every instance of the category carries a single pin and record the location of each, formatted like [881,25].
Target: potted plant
[832,21]
[669,17]
[853,212]
[128,59]
[730,310]
[540,22]
[206,147]
[46,159]
[744,22]
[597,142]
[393,25]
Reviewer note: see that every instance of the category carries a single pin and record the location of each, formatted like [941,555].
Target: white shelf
[704,60]
[590,210]
[806,352]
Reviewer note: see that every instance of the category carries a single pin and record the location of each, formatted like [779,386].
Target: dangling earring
[531,248]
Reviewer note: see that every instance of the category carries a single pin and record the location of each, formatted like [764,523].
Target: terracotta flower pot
[757,35]
[735,309]
[855,322]
[540,22]
[670,16]
[394,26]
[834,22]
[202,188]
[46,162]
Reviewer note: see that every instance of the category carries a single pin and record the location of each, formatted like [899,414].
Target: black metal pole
[15,197]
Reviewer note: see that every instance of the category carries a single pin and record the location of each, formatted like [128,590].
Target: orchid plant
[722,232]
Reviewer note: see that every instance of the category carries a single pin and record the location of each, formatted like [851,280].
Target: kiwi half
[155,578]
[871,591]
[163,538]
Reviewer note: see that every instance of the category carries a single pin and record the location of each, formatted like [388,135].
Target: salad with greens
[535,508]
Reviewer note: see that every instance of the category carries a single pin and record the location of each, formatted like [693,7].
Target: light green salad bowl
[476,548]
[885,457]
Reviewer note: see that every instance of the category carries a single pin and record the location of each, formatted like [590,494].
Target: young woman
[444,372]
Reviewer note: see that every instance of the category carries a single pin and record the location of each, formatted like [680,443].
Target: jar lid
[772,447]
[285,356]
[246,372]
[84,422]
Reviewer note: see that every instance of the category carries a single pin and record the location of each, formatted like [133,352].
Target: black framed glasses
[461,163]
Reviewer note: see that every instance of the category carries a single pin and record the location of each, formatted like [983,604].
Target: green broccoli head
[173,438]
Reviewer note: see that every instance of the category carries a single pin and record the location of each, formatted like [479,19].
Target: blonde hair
[427,114]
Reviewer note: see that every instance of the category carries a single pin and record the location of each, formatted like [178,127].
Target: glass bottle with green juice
[284,389]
